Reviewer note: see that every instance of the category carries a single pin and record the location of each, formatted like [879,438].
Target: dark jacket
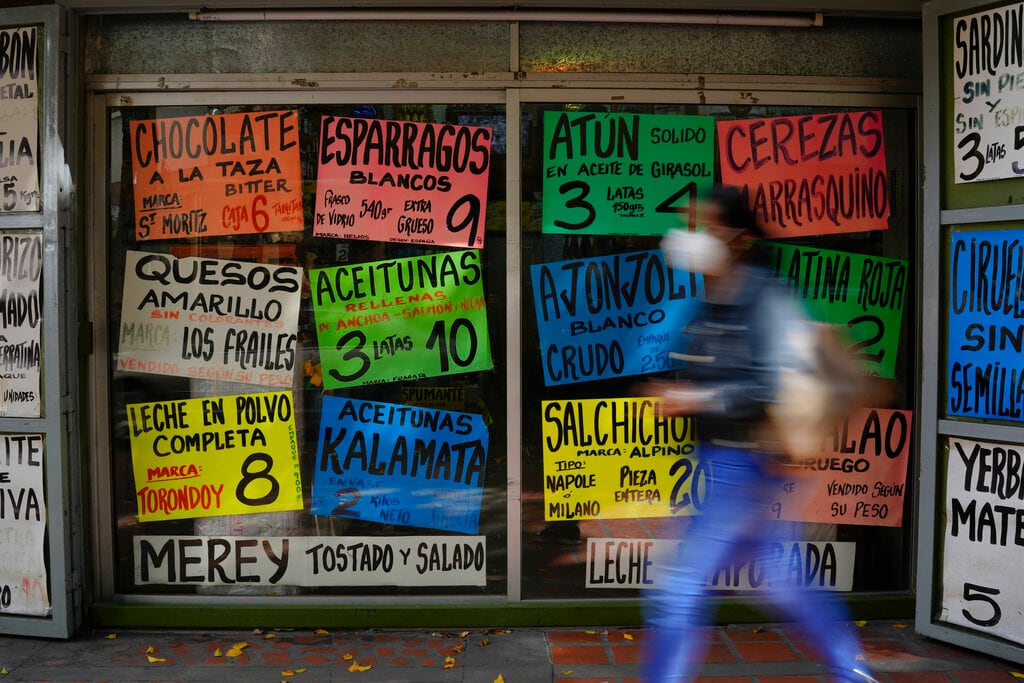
[734,350]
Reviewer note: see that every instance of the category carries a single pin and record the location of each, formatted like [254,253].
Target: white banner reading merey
[19,120]
[634,563]
[984,538]
[311,560]
[21,266]
[209,319]
[22,526]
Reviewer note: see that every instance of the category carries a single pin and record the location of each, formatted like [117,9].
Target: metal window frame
[58,422]
[934,429]
[513,89]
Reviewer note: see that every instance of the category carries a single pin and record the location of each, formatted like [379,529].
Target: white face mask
[696,252]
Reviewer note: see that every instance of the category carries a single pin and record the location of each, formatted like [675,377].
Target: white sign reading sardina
[984,538]
[322,561]
[988,94]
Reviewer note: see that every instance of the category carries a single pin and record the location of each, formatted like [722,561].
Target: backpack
[819,385]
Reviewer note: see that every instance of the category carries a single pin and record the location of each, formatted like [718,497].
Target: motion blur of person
[727,382]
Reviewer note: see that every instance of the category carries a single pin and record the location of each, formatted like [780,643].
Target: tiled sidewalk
[768,653]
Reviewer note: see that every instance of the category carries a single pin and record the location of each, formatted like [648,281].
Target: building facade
[336,313]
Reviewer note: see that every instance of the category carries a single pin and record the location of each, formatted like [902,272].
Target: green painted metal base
[548,614]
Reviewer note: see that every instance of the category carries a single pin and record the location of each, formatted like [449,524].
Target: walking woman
[732,353]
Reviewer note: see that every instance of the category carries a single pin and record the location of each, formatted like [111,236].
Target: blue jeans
[733,527]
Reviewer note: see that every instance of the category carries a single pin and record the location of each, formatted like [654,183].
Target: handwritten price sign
[619,458]
[817,174]
[408,318]
[395,464]
[624,174]
[224,174]
[204,457]
[861,295]
[402,181]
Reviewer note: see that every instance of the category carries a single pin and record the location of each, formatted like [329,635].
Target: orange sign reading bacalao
[216,174]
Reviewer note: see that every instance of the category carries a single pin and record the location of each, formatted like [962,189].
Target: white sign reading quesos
[209,319]
[988,92]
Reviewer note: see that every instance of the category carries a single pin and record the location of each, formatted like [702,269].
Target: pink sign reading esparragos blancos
[402,181]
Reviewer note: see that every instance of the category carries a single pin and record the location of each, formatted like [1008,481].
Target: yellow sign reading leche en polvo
[222,455]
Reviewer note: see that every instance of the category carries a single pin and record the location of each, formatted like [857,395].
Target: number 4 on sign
[689,191]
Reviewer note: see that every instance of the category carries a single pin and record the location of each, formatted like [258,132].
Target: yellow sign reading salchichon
[223,455]
[613,458]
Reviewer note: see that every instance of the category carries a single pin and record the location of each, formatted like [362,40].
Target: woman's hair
[734,211]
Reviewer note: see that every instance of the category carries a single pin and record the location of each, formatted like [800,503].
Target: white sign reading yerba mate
[988,94]
[984,538]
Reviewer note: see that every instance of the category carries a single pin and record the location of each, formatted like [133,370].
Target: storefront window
[601,184]
[307,379]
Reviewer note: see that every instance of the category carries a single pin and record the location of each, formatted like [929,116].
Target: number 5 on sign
[220,455]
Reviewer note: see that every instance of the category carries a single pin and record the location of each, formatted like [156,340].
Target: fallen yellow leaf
[1015,674]
[218,653]
[457,649]
[627,636]
[355,667]
[320,632]
[287,672]
[150,650]
[110,636]
[298,671]
[240,646]
[567,672]
[861,622]
[899,625]
[347,656]
[449,662]
[590,631]
[154,660]
[234,652]
[463,634]
[483,643]
[4,671]
[499,679]
[270,636]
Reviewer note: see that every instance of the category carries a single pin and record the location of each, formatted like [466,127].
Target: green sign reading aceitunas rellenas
[624,174]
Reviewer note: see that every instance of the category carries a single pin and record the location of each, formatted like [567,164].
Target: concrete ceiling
[906,8]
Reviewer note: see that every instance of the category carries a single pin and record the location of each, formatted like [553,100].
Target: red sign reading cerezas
[816,174]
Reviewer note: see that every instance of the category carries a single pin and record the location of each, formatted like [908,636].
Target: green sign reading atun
[624,174]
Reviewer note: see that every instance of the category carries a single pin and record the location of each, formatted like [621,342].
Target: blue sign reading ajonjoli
[401,465]
[611,316]
[986,325]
